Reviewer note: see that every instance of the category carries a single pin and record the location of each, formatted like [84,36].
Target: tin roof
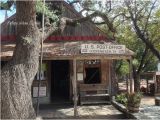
[66,50]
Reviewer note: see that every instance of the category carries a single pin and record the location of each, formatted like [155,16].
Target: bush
[121,98]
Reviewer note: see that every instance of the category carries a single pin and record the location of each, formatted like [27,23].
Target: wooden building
[77,62]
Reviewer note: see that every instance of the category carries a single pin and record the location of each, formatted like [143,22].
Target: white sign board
[80,76]
[157,73]
[103,48]
[42,92]
[158,66]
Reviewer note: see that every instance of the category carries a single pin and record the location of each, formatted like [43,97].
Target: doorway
[60,81]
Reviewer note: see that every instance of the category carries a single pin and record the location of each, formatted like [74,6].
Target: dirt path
[148,100]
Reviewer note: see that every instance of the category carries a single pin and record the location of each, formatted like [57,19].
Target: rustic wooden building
[78,61]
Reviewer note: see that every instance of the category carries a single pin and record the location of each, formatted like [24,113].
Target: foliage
[129,98]
[45,9]
[121,98]
[122,68]
[134,98]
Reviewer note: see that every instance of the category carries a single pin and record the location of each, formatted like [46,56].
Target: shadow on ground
[66,111]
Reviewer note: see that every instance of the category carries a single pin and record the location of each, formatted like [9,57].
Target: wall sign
[158,66]
[80,76]
[42,91]
[158,73]
[103,48]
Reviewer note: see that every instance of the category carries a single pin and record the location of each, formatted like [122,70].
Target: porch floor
[84,112]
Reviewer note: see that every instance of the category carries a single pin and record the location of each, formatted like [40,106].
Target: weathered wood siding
[82,29]
[46,82]
[9,26]
[105,72]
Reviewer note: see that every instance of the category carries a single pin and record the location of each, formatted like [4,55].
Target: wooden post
[147,86]
[126,78]
[74,84]
[131,79]
[110,83]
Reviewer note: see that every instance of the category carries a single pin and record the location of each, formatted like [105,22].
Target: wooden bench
[93,94]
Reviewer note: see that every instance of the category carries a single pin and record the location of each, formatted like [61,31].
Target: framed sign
[42,91]
[80,76]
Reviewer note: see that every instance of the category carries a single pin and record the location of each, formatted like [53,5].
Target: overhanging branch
[64,21]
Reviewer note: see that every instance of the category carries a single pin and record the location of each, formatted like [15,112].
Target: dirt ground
[84,112]
[148,100]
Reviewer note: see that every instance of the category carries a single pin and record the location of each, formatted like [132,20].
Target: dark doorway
[92,75]
[60,83]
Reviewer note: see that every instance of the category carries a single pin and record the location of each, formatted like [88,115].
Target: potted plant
[133,101]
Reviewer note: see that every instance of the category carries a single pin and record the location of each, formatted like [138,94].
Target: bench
[93,94]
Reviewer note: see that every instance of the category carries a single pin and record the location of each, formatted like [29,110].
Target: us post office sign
[103,48]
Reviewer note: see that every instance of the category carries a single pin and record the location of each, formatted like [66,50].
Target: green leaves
[44,9]
[121,98]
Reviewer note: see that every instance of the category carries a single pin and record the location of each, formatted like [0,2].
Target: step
[95,102]
[95,95]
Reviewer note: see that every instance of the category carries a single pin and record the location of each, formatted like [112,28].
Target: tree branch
[139,33]
[146,25]
[7,5]
[142,60]
[64,21]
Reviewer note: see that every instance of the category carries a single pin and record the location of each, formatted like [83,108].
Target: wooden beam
[131,78]
[74,84]
[110,82]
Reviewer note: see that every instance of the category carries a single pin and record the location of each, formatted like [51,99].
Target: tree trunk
[136,78]
[17,76]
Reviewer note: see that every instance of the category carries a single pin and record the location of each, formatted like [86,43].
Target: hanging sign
[103,48]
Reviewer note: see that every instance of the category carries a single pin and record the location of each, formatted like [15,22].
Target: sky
[9,12]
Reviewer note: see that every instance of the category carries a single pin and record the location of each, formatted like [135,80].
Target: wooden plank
[95,95]
[91,87]
[95,102]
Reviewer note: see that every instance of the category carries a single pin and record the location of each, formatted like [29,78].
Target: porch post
[74,84]
[126,78]
[110,82]
[131,78]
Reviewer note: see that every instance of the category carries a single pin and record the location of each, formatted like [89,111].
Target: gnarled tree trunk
[18,74]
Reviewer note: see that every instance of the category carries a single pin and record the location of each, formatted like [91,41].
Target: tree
[18,74]
[137,15]
[143,60]
[143,21]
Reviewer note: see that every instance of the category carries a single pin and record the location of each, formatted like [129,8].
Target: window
[92,72]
